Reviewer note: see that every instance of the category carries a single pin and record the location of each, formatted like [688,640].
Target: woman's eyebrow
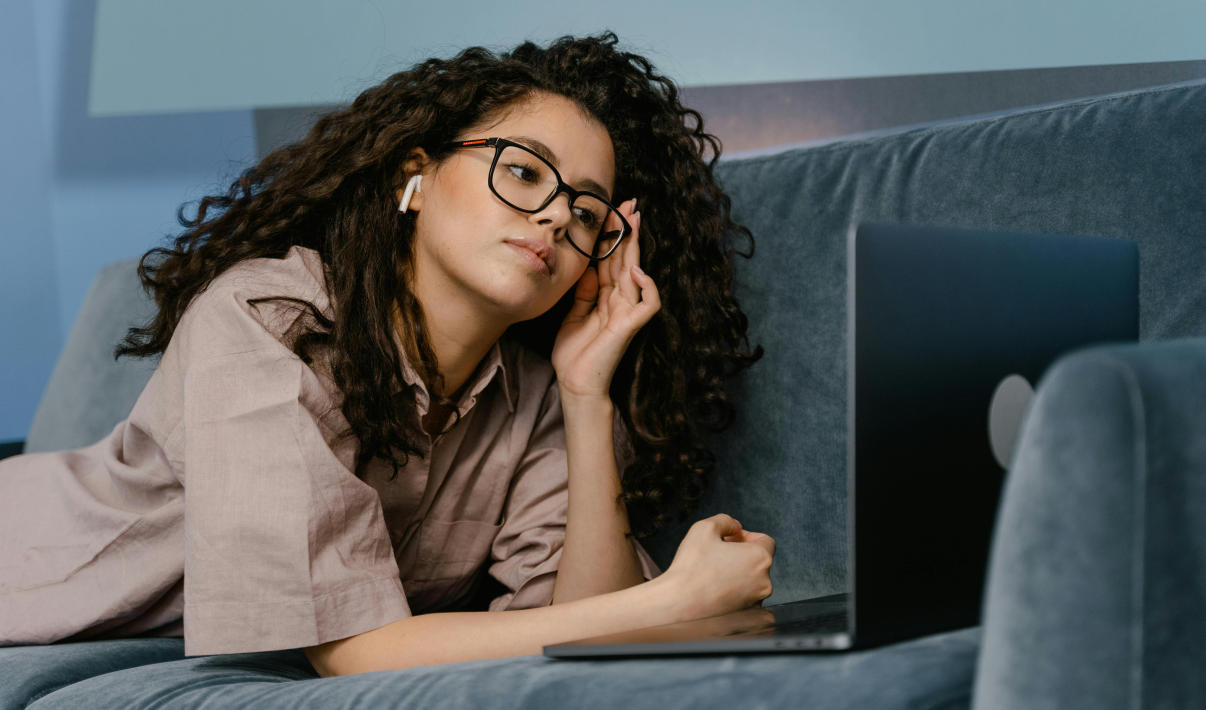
[547,153]
[541,149]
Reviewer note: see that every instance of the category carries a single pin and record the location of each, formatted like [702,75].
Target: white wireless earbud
[415,185]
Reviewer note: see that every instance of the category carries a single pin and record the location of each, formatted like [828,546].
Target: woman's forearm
[597,556]
[465,636]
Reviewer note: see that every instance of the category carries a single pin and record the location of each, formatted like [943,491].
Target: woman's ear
[416,164]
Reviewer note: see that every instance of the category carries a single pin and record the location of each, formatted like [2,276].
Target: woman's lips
[537,254]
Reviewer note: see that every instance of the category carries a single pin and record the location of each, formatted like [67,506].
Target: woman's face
[470,241]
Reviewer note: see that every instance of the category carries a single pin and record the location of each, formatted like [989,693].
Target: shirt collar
[486,371]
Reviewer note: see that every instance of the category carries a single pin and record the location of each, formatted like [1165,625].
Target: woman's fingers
[651,301]
[586,294]
[762,539]
[606,269]
[631,253]
[604,272]
[721,524]
[615,263]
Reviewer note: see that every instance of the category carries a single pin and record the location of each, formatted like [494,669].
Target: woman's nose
[556,213]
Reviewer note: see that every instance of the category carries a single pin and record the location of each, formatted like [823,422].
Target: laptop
[948,330]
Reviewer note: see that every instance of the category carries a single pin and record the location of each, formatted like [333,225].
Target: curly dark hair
[333,190]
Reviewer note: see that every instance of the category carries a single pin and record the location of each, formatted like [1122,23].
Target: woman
[353,419]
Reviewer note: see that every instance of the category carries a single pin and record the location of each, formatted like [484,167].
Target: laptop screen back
[941,320]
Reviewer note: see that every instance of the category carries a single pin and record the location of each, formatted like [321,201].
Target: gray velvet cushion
[1130,165]
[89,392]
[927,674]
[1097,593]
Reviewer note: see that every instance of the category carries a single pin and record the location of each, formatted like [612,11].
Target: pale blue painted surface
[29,328]
[119,180]
[77,192]
[214,54]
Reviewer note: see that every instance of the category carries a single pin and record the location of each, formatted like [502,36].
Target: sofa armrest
[1096,596]
[11,448]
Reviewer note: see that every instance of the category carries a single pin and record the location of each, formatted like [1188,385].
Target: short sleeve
[284,546]
[527,548]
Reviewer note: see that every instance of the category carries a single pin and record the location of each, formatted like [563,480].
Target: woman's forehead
[559,131]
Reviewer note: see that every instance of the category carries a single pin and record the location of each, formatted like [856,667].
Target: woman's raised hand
[611,304]
[720,568]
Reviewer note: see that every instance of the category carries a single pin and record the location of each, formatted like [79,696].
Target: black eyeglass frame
[498,144]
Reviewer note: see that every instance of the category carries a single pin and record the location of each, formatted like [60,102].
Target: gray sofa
[1097,588]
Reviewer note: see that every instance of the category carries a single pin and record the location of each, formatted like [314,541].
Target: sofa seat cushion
[30,672]
[931,673]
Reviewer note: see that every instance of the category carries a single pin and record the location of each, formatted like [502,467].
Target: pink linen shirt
[226,507]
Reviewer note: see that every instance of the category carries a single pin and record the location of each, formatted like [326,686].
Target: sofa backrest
[89,392]
[1130,165]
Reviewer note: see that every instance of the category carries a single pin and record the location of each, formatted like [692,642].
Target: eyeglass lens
[525,181]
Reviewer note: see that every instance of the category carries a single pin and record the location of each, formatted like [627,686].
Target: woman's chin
[519,299]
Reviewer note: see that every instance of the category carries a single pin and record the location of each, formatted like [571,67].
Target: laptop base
[810,625]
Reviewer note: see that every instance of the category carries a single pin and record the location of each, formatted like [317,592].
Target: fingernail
[634,203]
[638,269]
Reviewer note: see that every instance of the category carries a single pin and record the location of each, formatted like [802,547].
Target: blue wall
[80,192]
[322,51]
[29,315]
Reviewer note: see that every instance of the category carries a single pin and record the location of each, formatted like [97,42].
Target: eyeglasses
[528,183]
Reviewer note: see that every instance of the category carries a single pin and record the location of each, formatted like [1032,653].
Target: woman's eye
[586,217]
[525,173]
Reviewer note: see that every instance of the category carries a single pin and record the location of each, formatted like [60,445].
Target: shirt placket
[442,449]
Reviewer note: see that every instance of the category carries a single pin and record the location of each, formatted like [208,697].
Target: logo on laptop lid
[1005,414]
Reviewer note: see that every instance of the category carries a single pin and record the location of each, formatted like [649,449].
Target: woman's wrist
[667,599]
[585,403]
